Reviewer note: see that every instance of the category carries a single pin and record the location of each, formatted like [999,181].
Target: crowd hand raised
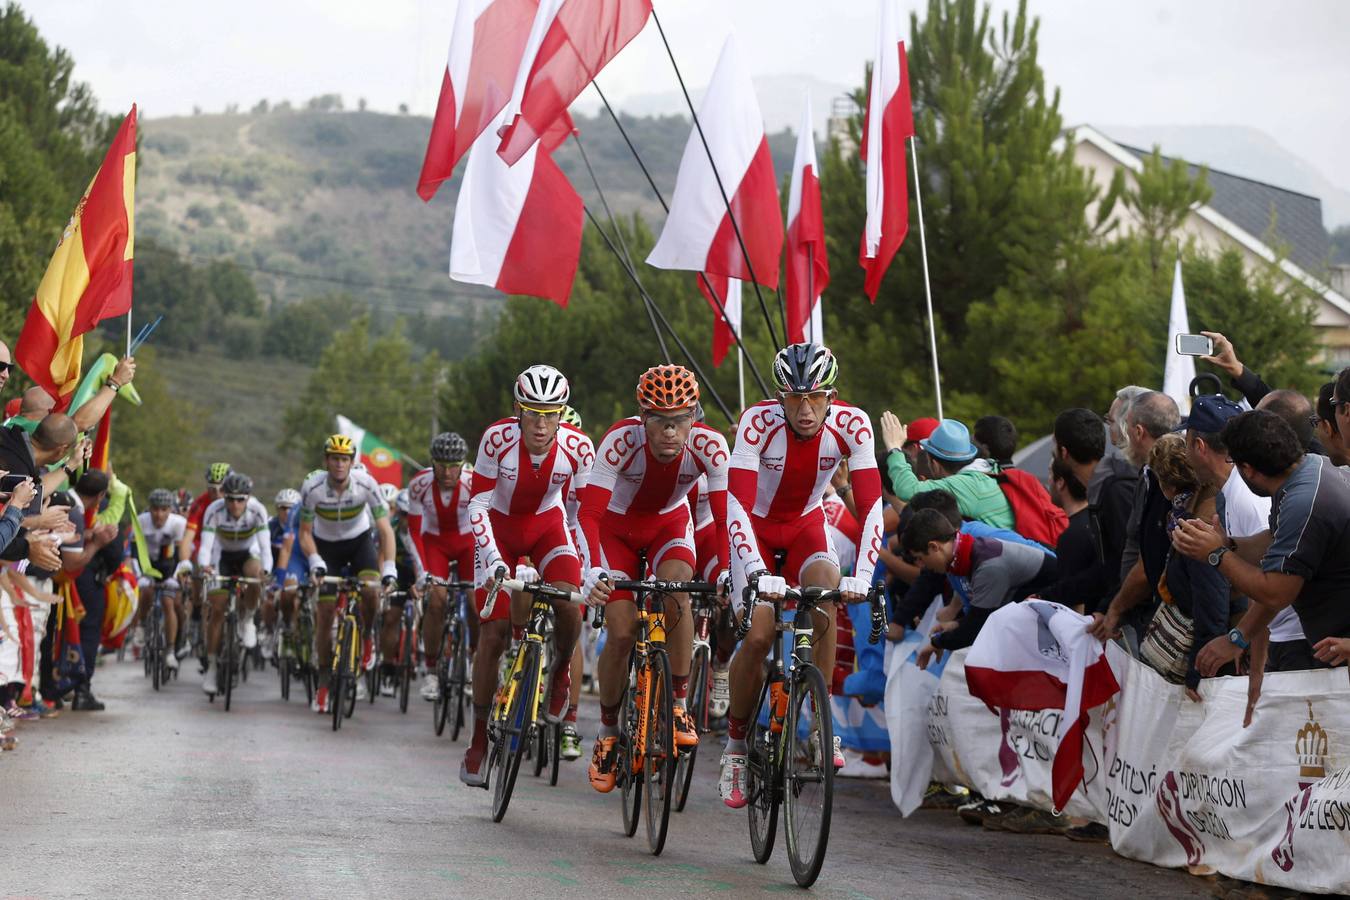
[1225,357]
[1196,539]
[893,431]
[125,370]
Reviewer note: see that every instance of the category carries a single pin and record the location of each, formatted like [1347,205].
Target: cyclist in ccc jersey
[525,467]
[337,508]
[235,542]
[438,521]
[163,530]
[636,501]
[786,451]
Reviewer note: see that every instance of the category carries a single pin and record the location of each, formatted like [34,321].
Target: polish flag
[724,335]
[485,49]
[570,42]
[808,272]
[1037,655]
[518,228]
[698,233]
[888,124]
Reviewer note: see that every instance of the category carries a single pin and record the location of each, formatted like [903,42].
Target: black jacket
[16,457]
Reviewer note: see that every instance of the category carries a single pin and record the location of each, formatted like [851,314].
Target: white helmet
[543,385]
[402,503]
[287,497]
[388,492]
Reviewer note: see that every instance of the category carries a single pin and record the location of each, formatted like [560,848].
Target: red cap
[921,429]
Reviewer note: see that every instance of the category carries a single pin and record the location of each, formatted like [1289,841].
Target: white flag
[1179,371]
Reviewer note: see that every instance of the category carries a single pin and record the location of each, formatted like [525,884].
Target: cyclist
[163,530]
[282,537]
[786,451]
[290,566]
[635,501]
[340,507]
[438,521]
[187,549]
[525,467]
[570,739]
[235,543]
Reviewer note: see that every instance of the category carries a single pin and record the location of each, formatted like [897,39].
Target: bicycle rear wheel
[628,770]
[229,663]
[658,758]
[338,678]
[539,748]
[554,752]
[284,672]
[762,782]
[698,710]
[406,666]
[440,710]
[808,774]
[515,732]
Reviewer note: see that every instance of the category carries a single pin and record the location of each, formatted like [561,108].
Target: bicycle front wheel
[516,729]
[658,758]
[762,771]
[808,774]
[337,681]
[698,710]
[406,668]
[231,660]
[629,765]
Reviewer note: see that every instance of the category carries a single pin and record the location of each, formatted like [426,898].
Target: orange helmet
[667,388]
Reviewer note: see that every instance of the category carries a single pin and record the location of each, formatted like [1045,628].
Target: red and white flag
[808,271]
[698,233]
[570,42]
[518,228]
[1038,655]
[888,124]
[726,331]
[485,49]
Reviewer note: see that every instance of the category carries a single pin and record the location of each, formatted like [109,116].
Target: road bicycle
[452,667]
[406,663]
[346,666]
[791,760]
[295,646]
[231,657]
[156,649]
[515,710]
[705,610]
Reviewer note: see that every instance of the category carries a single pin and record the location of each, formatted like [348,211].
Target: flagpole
[632,276]
[660,198]
[740,371]
[726,201]
[128,332]
[927,288]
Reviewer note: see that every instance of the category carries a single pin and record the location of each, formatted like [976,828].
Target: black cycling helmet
[161,498]
[237,484]
[448,447]
[804,367]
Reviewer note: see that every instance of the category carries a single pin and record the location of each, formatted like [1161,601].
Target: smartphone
[9,482]
[1195,345]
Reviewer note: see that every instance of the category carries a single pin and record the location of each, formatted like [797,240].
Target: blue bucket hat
[1209,413]
[950,442]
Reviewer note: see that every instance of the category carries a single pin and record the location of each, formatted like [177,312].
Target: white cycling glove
[851,584]
[527,574]
[184,567]
[316,562]
[490,567]
[723,581]
[593,575]
[771,586]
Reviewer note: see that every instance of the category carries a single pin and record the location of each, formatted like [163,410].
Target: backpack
[1034,515]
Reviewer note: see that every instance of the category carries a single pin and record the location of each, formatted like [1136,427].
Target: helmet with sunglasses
[666,389]
[217,472]
[237,484]
[542,385]
[161,498]
[448,447]
[799,368]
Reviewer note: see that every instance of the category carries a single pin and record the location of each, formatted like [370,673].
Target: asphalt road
[167,795]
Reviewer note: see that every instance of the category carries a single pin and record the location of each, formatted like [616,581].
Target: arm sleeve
[742,486]
[263,542]
[9,526]
[717,461]
[480,504]
[866,481]
[1210,601]
[967,629]
[596,494]
[1252,386]
[918,598]
[206,547]
[410,539]
[904,482]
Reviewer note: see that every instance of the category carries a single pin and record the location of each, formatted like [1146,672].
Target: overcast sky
[1283,67]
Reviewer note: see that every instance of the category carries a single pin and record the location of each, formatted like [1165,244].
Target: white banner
[1181,784]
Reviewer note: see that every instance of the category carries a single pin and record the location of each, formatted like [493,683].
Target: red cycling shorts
[441,551]
[664,537]
[543,538]
[805,541]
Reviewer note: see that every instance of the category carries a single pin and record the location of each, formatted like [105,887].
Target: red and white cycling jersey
[779,477]
[440,513]
[628,480]
[508,481]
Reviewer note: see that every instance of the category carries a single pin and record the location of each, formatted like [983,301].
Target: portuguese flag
[89,276]
[384,463]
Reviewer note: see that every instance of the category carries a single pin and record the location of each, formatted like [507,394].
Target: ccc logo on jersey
[707,446]
[854,425]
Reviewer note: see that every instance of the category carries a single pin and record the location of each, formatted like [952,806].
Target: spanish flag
[89,277]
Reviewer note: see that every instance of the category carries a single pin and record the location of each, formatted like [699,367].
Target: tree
[1163,196]
[52,139]
[300,331]
[373,380]
[155,444]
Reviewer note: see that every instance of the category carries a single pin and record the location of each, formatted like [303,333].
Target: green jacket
[977,493]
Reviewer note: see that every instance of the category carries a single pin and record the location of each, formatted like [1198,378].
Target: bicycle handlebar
[813,596]
[540,589]
[667,587]
[433,581]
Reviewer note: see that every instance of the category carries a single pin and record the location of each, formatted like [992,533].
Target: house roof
[1251,204]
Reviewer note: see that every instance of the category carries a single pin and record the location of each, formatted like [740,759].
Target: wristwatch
[1217,556]
[1235,637]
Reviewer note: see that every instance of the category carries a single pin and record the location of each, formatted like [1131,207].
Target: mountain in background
[1240,150]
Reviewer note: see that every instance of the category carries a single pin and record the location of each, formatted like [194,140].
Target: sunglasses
[5,367]
[548,415]
[797,398]
[1338,406]
[668,422]
[233,499]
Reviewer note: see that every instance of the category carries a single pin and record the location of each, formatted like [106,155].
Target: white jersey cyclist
[341,515]
[232,539]
[164,538]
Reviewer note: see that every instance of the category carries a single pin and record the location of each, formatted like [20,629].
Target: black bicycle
[791,760]
[295,646]
[452,667]
[346,649]
[156,648]
[705,611]
[231,648]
